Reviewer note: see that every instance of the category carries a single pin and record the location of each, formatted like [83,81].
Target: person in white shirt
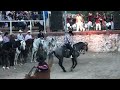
[68,41]
[1,38]
[79,22]
[20,36]
[28,36]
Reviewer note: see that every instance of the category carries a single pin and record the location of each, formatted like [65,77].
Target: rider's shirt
[20,37]
[6,39]
[1,39]
[28,37]
[68,39]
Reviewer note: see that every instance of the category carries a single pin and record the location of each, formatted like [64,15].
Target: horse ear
[52,39]
[86,43]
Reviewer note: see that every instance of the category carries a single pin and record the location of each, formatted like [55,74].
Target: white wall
[96,43]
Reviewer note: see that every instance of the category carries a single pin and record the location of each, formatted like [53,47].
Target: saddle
[66,51]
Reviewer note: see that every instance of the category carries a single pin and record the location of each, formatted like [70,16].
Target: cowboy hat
[70,32]
[29,31]
[1,32]
[20,31]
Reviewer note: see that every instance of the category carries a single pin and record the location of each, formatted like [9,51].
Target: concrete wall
[96,43]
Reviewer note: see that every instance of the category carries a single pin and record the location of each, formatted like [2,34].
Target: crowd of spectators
[78,22]
[20,15]
[98,21]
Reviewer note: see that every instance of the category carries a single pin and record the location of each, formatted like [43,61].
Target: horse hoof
[14,68]
[8,68]
[65,71]
[3,68]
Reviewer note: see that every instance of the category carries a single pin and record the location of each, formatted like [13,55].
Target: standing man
[90,21]
[79,22]
[28,36]
[112,22]
[97,21]
[20,36]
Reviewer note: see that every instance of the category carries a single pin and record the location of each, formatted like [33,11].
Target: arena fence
[30,26]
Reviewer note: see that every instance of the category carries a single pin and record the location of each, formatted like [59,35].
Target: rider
[68,40]
[6,37]
[41,35]
[1,38]
[20,36]
[28,36]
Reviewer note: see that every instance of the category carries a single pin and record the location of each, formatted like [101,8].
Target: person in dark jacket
[41,35]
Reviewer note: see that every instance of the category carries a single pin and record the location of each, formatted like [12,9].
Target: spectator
[112,22]
[90,21]
[79,22]
[97,21]
[104,21]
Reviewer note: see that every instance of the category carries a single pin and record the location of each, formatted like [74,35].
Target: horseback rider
[41,35]
[28,36]
[68,40]
[1,38]
[6,37]
[20,36]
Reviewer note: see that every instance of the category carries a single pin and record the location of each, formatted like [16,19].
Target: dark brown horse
[38,74]
[42,71]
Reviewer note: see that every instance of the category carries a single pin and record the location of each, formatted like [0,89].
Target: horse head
[23,45]
[82,47]
[86,46]
[41,53]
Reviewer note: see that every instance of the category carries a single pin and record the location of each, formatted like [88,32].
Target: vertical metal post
[10,27]
[65,14]
[44,22]
[48,21]
[31,26]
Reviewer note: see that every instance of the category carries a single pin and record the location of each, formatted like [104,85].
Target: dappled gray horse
[62,52]
[48,45]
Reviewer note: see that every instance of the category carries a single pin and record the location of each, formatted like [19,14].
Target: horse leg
[32,56]
[50,60]
[20,57]
[7,62]
[3,62]
[72,64]
[16,58]
[75,60]
[60,64]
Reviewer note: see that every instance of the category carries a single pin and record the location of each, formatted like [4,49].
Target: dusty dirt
[90,66]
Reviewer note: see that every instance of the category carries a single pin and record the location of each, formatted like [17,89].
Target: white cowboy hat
[29,31]
[20,31]
[1,32]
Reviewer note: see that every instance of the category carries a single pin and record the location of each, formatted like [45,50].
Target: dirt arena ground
[90,66]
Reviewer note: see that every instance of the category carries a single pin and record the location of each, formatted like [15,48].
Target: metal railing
[31,21]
